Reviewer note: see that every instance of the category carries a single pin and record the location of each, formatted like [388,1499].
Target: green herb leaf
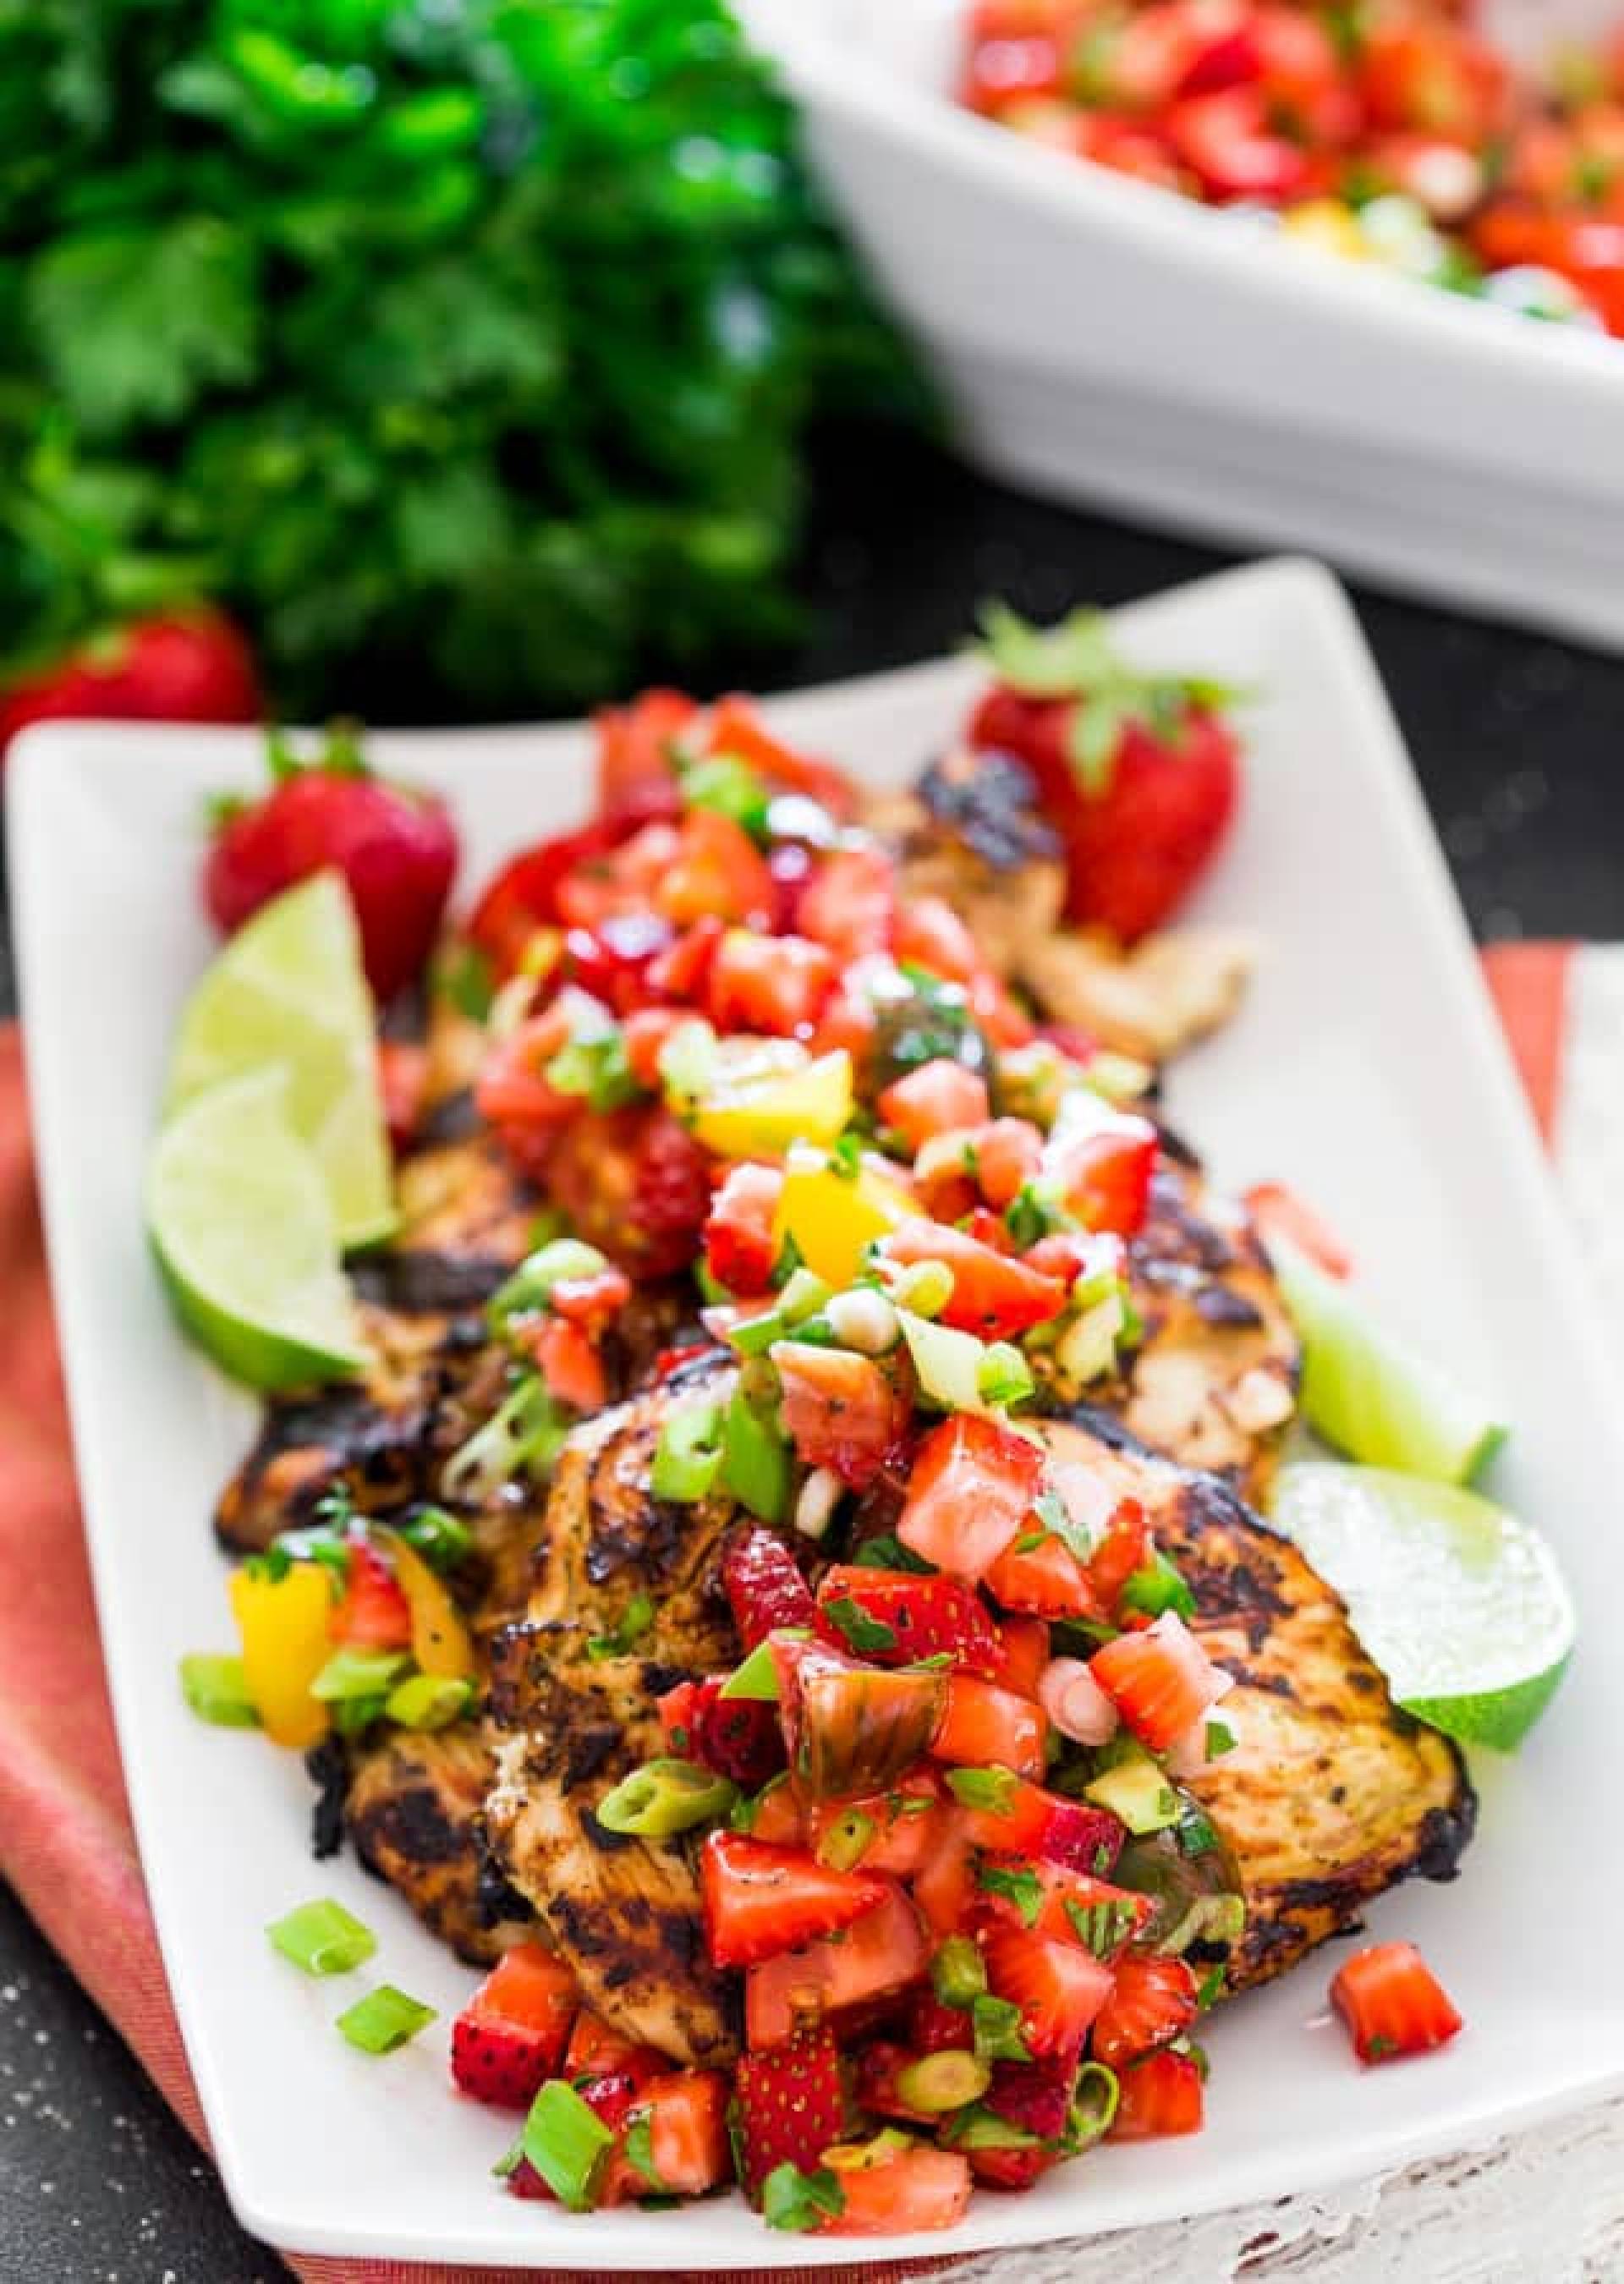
[867,1636]
[386,2019]
[1024,1889]
[793,2199]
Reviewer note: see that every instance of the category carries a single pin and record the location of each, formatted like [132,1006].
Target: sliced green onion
[1088,1348]
[983,2128]
[958,1973]
[754,1335]
[803,1294]
[1158,1587]
[216,1689]
[1094,2107]
[384,2019]
[428,1701]
[441,1539]
[521,1438]
[635,1620]
[758,1676]
[925,1287]
[846,1841]
[998,2028]
[688,1456]
[944,2080]
[596,1069]
[993,1790]
[947,1362]
[730,787]
[688,1065]
[1003,1375]
[350,1673]
[323,1938]
[664,1797]
[567,2143]
[755,1461]
[1119,1078]
[529,1289]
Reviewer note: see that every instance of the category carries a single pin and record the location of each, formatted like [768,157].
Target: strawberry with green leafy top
[1139,771]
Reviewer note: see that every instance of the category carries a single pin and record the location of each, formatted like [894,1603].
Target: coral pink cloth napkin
[65,1842]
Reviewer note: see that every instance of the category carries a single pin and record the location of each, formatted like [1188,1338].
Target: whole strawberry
[397,848]
[1139,773]
[182,666]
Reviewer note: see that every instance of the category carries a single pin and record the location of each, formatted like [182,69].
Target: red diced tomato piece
[1008,1153]
[839,1410]
[1026,1653]
[373,1612]
[881,1953]
[984,1726]
[769,984]
[1160,1680]
[716,872]
[934,1100]
[1392,2003]
[636,772]
[931,934]
[1158,2096]
[849,904]
[972,1488]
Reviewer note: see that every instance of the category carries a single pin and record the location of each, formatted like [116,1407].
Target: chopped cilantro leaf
[793,2199]
[867,1636]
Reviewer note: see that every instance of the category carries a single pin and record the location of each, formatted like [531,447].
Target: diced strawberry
[945,1888]
[850,902]
[876,1955]
[678,974]
[840,1411]
[934,1100]
[569,1364]
[984,1726]
[738,1737]
[525,2182]
[511,2034]
[931,934]
[636,773]
[993,1295]
[924,1617]
[1034,2096]
[1046,1580]
[760,1900]
[764,1585]
[1058,1987]
[645,1032]
[1153,2000]
[933,2028]
[737,728]
[739,1245]
[716,871]
[687,2115]
[1012,2168]
[592,1302]
[372,1613]
[1024,1642]
[1392,2003]
[850,1727]
[915,2190]
[1073,1906]
[775,986]
[1160,1681]
[1008,1153]
[789,2106]
[1158,2097]
[1033,1822]
[971,1490]
[597,2049]
[670,1196]
[1126,1547]
[1103,1168]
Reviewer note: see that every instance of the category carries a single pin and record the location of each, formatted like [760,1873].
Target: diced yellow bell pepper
[761,1118]
[284,1624]
[1328,225]
[439,1640]
[833,1220]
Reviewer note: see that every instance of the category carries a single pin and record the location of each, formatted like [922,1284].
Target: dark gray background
[1516,739]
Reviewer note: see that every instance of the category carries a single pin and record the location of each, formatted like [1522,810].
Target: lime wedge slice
[289,989]
[1460,1604]
[240,1218]
[1371,1395]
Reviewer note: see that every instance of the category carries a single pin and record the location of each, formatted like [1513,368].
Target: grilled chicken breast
[1331,1795]
[624,1912]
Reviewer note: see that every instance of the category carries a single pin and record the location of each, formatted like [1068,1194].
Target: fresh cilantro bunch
[464,349]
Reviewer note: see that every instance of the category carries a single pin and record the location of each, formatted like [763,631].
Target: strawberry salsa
[940,1806]
[1391,132]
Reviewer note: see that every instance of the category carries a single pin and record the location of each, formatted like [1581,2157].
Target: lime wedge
[240,1218]
[1460,1604]
[1371,1395]
[289,989]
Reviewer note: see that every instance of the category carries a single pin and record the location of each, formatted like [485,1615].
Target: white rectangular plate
[1365,1068]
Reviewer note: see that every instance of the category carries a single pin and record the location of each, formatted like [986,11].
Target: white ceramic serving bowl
[1115,344]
